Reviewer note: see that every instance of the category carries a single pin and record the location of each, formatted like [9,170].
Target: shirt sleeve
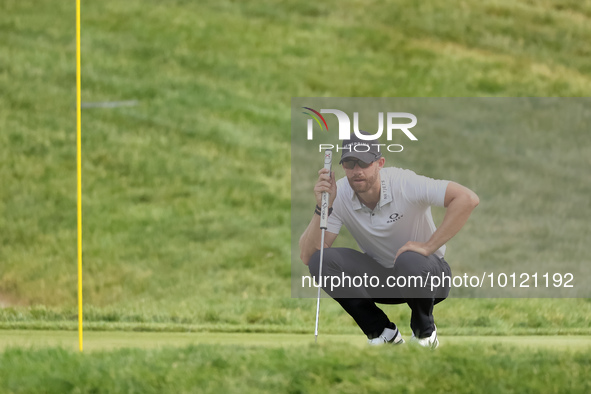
[423,190]
[335,223]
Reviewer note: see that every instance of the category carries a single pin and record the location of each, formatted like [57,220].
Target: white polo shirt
[403,213]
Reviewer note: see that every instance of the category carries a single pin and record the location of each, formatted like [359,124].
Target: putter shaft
[319,285]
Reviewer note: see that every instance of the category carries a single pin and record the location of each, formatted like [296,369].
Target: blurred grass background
[186,207]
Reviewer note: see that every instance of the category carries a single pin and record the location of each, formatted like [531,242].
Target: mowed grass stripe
[100,341]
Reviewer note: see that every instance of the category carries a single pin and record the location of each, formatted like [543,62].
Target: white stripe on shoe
[431,341]
[387,336]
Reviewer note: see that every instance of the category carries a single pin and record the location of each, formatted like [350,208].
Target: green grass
[112,340]
[453,317]
[463,368]
[187,195]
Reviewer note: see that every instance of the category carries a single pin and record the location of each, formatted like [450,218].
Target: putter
[323,226]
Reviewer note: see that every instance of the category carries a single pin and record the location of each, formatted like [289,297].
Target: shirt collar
[385,196]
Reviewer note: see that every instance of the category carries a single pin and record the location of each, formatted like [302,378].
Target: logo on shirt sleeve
[394,217]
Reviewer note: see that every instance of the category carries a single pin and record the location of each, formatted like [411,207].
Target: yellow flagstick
[79,169]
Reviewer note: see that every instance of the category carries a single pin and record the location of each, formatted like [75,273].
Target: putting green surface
[99,340]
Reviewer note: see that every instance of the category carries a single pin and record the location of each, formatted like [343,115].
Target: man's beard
[365,184]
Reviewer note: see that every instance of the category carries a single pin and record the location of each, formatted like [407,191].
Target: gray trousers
[359,296]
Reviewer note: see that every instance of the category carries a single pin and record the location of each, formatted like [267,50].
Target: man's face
[363,179]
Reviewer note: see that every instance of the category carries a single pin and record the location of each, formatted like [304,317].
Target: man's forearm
[456,215]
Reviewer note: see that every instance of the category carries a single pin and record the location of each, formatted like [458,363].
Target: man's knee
[314,263]
[410,263]
[329,258]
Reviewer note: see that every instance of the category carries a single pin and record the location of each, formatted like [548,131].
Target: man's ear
[381,162]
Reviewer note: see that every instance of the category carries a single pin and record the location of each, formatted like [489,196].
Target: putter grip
[324,204]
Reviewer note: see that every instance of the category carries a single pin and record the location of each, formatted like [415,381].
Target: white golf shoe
[389,335]
[429,342]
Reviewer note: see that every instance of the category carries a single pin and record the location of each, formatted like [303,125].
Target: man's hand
[325,183]
[419,247]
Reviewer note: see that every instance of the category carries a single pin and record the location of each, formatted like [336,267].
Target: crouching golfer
[388,212]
